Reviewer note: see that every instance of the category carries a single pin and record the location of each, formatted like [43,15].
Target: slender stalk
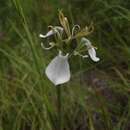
[59,106]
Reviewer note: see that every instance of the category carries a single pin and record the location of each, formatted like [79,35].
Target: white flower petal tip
[58,71]
[42,36]
[92,54]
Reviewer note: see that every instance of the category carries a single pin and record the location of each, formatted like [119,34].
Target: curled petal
[56,29]
[48,48]
[74,29]
[58,71]
[86,42]
[51,32]
[65,24]
[92,54]
[91,49]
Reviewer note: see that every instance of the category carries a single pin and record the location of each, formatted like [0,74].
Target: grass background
[96,98]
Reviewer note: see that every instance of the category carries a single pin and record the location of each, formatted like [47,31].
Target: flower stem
[59,105]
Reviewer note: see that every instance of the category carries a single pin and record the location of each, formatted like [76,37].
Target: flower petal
[86,42]
[92,54]
[56,29]
[51,32]
[91,49]
[58,71]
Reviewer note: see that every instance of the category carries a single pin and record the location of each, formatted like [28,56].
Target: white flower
[58,71]
[91,49]
[56,29]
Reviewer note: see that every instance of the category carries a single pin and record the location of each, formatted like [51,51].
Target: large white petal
[92,54]
[58,71]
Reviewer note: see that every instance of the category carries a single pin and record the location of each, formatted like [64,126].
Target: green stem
[59,105]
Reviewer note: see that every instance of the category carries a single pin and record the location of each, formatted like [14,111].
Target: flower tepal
[56,29]
[58,71]
[91,49]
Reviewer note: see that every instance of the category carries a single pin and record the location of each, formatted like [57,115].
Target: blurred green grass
[97,97]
